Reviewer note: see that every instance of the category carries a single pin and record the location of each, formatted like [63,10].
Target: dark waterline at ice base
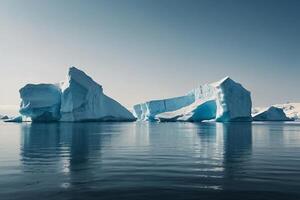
[150,161]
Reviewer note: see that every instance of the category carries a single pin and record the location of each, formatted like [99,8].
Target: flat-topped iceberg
[270,114]
[224,101]
[78,98]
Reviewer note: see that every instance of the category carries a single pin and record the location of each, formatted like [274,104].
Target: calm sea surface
[150,161]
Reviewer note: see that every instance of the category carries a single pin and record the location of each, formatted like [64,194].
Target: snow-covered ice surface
[270,114]
[225,100]
[78,98]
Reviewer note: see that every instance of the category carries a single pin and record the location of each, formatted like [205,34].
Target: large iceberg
[270,114]
[78,98]
[224,101]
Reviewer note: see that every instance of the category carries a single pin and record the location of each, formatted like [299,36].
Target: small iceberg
[4,117]
[270,114]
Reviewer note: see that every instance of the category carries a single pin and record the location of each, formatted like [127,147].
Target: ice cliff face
[270,114]
[78,98]
[222,101]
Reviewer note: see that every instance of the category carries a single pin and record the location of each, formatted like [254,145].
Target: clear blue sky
[148,49]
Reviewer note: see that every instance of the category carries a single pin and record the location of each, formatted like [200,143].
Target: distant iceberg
[292,110]
[78,98]
[17,119]
[223,101]
[3,117]
[270,114]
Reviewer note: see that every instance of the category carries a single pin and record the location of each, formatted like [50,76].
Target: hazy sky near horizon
[151,49]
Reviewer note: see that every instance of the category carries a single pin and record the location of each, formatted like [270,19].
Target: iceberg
[17,119]
[78,98]
[223,101]
[270,114]
[41,102]
[83,100]
[4,117]
[292,110]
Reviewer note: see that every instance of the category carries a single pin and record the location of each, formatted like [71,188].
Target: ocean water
[150,161]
